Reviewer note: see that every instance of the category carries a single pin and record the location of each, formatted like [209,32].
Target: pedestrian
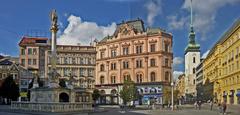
[148,102]
[199,105]
[195,104]
[211,105]
[220,107]
[224,107]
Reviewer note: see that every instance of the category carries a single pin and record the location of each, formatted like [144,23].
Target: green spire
[192,45]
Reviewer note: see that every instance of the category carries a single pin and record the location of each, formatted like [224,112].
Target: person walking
[211,105]
[196,104]
[224,107]
[199,105]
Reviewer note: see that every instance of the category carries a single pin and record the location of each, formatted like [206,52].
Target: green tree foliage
[9,89]
[167,95]
[95,94]
[129,92]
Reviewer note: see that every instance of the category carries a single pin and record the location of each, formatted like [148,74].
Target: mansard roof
[137,25]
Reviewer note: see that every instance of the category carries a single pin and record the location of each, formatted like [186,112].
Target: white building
[192,59]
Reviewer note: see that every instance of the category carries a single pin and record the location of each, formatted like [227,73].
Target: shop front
[150,94]
[238,96]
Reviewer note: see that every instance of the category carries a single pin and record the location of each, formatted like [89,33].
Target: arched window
[194,60]
[101,67]
[113,79]
[153,76]
[126,77]
[139,78]
[166,76]
[194,70]
[102,80]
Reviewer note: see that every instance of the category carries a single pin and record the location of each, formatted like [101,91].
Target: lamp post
[172,85]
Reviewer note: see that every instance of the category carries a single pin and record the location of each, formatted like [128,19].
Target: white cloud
[205,54]
[3,54]
[154,9]
[177,61]
[204,15]
[175,23]
[176,74]
[79,31]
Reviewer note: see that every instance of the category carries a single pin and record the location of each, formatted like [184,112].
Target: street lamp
[172,85]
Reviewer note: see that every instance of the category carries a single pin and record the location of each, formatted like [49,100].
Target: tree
[167,95]
[129,92]
[10,89]
[95,95]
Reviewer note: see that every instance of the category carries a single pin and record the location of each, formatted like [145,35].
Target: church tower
[192,59]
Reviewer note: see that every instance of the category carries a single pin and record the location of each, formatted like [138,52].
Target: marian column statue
[53,72]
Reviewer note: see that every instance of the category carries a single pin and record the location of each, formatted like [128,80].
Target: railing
[52,107]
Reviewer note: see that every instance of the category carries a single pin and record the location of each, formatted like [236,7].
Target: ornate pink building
[133,52]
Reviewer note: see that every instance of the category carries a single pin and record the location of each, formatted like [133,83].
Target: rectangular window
[138,63]
[29,62]
[138,49]
[113,53]
[152,62]
[23,62]
[82,72]
[65,60]
[34,62]
[34,51]
[113,66]
[89,61]
[30,51]
[125,51]
[125,65]
[22,51]
[102,55]
[166,62]
[152,48]
[166,47]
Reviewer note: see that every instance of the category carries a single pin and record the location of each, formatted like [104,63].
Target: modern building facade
[134,53]
[221,66]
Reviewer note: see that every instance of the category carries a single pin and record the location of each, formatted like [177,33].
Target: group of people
[198,104]
[221,106]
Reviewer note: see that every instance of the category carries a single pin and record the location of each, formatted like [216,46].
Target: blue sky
[81,20]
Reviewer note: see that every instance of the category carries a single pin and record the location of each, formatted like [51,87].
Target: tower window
[194,60]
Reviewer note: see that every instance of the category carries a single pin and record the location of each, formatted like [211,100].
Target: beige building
[133,52]
[73,61]
[180,85]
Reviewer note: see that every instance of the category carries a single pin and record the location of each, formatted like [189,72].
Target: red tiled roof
[30,40]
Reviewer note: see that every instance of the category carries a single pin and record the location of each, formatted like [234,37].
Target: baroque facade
[221,66]
[134,53]
[75,64]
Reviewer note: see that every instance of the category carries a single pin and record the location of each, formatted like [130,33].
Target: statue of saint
[54,18]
